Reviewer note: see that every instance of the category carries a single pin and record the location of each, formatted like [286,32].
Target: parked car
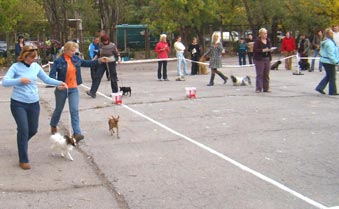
[247,32]
[37,44]
[3,49]
[227,36]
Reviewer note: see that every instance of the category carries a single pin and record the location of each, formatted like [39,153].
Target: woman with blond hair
[329,59]
[67,68]
[215,53]
[25,107]
[162,48]
[262,60]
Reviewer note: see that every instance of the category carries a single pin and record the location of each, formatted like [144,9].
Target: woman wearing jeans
[67,68]
[25,105]
[329,58]
[180,48]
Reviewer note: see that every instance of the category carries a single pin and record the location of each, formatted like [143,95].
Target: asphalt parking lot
[229,148]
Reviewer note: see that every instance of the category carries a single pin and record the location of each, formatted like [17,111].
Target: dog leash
[69,115]
[109,73]
[107,65]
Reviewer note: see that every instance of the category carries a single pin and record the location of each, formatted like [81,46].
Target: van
[133,36]
[227,37]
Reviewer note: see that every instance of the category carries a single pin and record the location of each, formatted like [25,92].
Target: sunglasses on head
[32,50]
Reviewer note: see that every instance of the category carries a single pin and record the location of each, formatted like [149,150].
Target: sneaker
[166,79]
[78,137]
[53,130]
[91,95]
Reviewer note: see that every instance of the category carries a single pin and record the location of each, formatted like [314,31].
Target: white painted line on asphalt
[234,162]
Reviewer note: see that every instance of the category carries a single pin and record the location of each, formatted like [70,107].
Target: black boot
[212,79]
[222,76]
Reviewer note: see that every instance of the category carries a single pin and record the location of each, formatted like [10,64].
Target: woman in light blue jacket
[329,53]
[25,107]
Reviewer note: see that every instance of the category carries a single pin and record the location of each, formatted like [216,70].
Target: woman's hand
[62,86]
[103,59]
[25,81]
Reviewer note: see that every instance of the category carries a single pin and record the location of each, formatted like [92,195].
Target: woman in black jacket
[262,60]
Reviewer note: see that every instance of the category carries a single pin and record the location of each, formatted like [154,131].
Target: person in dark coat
[262,60]
[194,49]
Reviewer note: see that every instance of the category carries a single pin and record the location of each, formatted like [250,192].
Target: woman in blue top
[329,58]
[25,107]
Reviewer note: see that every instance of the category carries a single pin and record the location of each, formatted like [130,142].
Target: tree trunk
[249,16]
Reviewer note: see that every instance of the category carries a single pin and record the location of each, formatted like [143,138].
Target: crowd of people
[65,73]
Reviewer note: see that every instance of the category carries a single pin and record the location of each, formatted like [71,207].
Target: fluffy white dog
[64,144]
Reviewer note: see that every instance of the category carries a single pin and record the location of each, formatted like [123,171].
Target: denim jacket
[329,52]
[59,69]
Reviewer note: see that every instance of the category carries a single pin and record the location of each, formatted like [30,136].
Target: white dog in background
[241,81]
[64,144]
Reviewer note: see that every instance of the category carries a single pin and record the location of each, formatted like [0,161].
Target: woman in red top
[162,48]
[288,49]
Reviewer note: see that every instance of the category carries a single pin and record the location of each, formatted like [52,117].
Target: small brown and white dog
[113,123]
[64,144]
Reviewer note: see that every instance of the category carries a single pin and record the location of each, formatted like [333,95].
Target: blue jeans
[26,116]
[181,59]
[73,103]
[242,58]
[316,52]
[329,78]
